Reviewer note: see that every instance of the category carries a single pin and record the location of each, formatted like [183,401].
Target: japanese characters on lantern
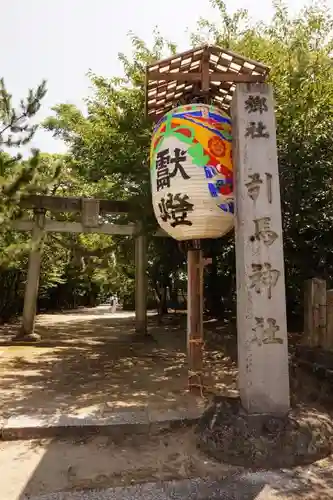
[191,172]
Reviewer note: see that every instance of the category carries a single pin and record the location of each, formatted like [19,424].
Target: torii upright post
[261,303]
[140,281]
[32,284]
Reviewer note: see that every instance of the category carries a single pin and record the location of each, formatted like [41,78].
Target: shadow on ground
[89,360]
[44,468]
[98,462]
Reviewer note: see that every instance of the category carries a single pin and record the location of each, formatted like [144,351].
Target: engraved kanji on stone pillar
[261,306]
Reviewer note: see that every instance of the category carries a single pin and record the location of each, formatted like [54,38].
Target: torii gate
[90,211]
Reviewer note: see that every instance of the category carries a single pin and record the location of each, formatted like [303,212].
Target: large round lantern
[191,172]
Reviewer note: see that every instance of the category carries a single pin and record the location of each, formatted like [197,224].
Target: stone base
[117,424]
[31,337]
[229,434]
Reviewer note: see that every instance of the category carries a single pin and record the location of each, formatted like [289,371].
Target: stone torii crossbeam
[90,211]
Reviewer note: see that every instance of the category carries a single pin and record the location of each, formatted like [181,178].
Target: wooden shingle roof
[209,69]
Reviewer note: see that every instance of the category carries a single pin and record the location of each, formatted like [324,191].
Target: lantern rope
[199,374]
[200,384]
[197,341]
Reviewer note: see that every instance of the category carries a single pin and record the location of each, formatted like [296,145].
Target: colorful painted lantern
[191,172]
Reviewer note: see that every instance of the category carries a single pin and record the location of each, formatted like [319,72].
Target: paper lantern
[191,172]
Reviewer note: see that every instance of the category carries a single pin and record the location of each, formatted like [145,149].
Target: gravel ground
[33,468]
[255,486]
[167,469]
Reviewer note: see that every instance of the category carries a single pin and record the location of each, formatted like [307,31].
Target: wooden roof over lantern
[208,71]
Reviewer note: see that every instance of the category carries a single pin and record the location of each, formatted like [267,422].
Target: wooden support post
[329,324]
[195,319]
[205,75]
[140,282]
[31,288]
[315,313]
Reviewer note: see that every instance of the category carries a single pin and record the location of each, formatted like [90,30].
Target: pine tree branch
[11,121]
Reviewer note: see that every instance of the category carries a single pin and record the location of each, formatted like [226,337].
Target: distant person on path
[113,303]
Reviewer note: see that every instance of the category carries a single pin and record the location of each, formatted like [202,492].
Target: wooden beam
[315,320]
[214,49]
[205,78]
[181,55]
[170,77]
[146,92]
[328,342]
[227,76]
[230,76]
[54,226]
[70,204]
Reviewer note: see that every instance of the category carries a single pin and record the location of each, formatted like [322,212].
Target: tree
[298,51]
[110,145]
[17,177]
[16,130]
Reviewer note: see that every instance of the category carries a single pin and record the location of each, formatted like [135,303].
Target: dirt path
[90,361]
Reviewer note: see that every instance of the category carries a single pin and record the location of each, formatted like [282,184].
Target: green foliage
[299,52]
[15,126]
[16,129]
[18,177]
[108,158]
[110,148]
[110,145]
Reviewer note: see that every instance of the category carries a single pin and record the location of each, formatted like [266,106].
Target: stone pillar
[31,288]
[261,304]
[140,281]
[315,313]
